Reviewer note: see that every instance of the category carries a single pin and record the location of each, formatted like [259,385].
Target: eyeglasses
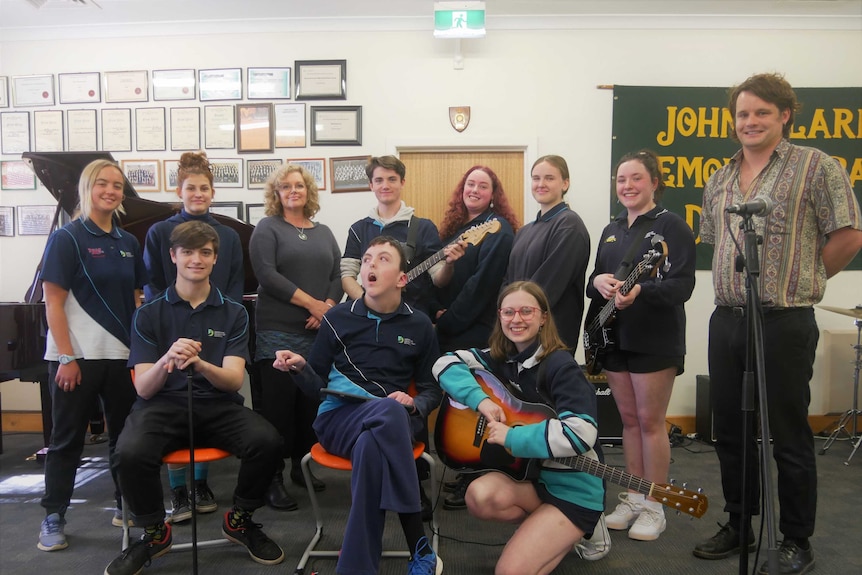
[525,312]
[289,188]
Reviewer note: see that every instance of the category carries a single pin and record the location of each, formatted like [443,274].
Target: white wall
[535,88]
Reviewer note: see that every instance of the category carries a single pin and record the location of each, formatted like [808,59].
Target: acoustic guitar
[460,438]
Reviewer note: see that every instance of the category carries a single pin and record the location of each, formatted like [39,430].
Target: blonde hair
[272,201]
[89,175]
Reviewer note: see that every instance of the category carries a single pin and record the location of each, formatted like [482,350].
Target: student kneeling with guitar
[551,409]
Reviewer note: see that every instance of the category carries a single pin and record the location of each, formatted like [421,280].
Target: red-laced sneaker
[248,534]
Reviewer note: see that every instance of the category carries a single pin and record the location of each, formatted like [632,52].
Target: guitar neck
[607,311]
[426,265]
[607,472]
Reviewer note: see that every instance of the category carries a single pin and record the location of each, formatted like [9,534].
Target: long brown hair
[549,337]
[456,214]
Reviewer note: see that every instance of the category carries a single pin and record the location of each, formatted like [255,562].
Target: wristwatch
[65,359]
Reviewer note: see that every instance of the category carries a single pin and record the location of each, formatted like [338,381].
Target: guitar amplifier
[610,423]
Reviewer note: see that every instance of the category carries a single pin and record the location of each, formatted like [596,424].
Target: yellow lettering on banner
[843,117]
[686,122]
[690,211]
[667,137]
[818,127]
[856,171]
[712,121]
[681,172]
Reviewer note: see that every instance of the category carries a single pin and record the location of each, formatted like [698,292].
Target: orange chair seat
[326,459]
[202,454]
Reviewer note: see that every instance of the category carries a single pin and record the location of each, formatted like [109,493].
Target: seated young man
[192,326]
[374,347]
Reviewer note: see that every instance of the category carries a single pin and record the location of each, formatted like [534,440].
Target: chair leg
[435,531]
[125,543]
[318,519]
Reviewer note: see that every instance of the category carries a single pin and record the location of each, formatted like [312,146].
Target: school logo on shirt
[96,252]
[610,239]
[126,254]
[215,333]
[406,340]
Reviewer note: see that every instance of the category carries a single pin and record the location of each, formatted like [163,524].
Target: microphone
[760,206]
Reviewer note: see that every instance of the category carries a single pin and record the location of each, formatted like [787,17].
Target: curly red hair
[456,214]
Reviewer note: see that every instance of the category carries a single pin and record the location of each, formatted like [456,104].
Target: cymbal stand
[852,414]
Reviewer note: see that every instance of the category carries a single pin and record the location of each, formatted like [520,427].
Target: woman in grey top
[297,265]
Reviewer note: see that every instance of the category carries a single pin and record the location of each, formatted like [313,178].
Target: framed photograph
[81,131]
[219,129]
[259,171]
[7,221]
[170,169]
[254,213]
[150,133]
[117,130]
[229,209]
[268,83]
[348,174]
[254,128]
[316,167]
[222,84]
[130,86]
[4,92]
[185,129]
[336,125]
[14,132]
[144,175]
[173,85]
[321,79]
[35,220]
[289,125]
[227,172]
[16,175]
[83,88]
[48,130]
[33,91]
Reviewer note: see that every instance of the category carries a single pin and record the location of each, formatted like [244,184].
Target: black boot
[298,478]
[456,499]
[277,497]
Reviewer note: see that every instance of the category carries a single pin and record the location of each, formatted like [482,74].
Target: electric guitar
[598,338]
[460,438]
[473,236]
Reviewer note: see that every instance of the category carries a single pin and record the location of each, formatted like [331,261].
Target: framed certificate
[221,84]
[173,85]
[254,213]
[48,130]
[14,132]
[219,130]
[150,133]
[254,128]
[144,175]
[35,220]
[348,174]
[16,175]
[4,92]
[81,131]
[316,167]
[117,130]
[289,125]
[33,90]
[7,221]
[321,79]
[336,125]
[126,86]
[259,171]
[80,88]
[268,83]
[227,172]
[185,129]
[229,209]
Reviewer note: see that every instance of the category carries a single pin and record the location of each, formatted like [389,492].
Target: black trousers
[159,427]
[790,340]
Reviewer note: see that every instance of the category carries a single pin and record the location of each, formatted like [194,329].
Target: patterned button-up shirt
[812,197]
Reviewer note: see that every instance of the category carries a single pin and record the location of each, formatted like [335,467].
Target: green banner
[690,129]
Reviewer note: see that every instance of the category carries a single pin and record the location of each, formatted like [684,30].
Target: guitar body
[598,340]
[460,432]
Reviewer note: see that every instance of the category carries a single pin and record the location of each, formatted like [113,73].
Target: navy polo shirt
[220,324]
[101,269]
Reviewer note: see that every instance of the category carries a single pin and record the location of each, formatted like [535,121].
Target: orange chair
[326,459]
[181,456]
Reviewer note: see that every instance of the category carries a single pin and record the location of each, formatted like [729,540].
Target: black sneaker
[204,499]
[456,500]
[248,534]
[792,559]
[180,507]
[723,544]
[139,554]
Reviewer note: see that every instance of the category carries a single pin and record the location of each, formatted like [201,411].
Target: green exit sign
[459,19]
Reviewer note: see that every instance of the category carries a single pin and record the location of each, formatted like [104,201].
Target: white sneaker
[649,525]
[625,514]
[597,546]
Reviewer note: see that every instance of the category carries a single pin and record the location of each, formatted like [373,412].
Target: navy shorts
[634,362]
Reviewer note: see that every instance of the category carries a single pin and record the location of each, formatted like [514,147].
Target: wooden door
[432,176]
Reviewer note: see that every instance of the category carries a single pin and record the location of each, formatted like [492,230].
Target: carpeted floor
[467,545]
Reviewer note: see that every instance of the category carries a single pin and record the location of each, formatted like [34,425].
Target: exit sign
[459,19]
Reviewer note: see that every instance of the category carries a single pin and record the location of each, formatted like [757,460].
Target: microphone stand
[190,372]
[755,373]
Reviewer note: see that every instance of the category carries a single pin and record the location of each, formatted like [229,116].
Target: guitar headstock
[476,234]
[680,499]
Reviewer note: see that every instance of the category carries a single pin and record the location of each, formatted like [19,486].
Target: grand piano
[23,325]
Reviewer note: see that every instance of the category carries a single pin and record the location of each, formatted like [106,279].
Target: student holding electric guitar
[635,327]
[556,505]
